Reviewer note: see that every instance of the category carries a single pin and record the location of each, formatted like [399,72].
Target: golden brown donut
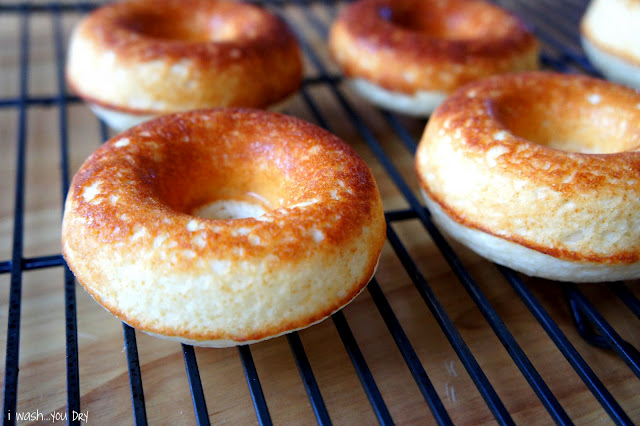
[610,34]
[223,227]
[136,59]
[539,172]
[408,55]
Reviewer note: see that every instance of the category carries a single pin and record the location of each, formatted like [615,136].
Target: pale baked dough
[119,120]
[539,172]
[137,59]
[418,104]
[300,228]
[408,55]
[610,34]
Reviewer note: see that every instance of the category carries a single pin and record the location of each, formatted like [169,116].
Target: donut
[539,172]
[223,227]
[610,38]
[408,55]
[134,60]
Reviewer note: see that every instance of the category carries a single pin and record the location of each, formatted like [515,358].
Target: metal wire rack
[411,309]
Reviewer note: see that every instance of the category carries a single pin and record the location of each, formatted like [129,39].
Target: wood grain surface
[104,381]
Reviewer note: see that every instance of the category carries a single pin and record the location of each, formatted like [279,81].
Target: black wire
[15,289]
[408,353]
[135,375]
[451,332]
[362,370]
[308,379]
[195,385]
[255,389]
[627,297]
[627,352]
[578,363]
[71,323]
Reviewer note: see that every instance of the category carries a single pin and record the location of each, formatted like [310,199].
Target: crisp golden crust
[161,56]
[409,46]
[546,161]
[611,40]
[132,242]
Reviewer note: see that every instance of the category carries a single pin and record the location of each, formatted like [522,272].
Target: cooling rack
[440,335]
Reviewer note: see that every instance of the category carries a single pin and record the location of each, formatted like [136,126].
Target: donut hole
[587,125]
[462,20]
[220,196]
[160,25]
[229,209]
[188,25]
[209,182]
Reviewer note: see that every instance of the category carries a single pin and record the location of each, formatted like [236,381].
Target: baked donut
[610,34]
[223,227]
[408,55]
[137,59]
[539,172]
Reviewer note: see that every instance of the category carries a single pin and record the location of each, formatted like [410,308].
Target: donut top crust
[206,31]
[612,25]
[132,242]
[410,45]
[300,173]
[553,159]
[160,56]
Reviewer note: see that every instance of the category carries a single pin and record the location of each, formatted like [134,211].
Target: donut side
[524,259]
[612,66]
[131,241]
[119,120]
[498,180]
[117,61]
[419,104]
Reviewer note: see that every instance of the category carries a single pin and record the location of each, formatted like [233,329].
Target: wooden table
[52,121]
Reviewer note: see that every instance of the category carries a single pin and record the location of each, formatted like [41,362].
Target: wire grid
[555,23]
